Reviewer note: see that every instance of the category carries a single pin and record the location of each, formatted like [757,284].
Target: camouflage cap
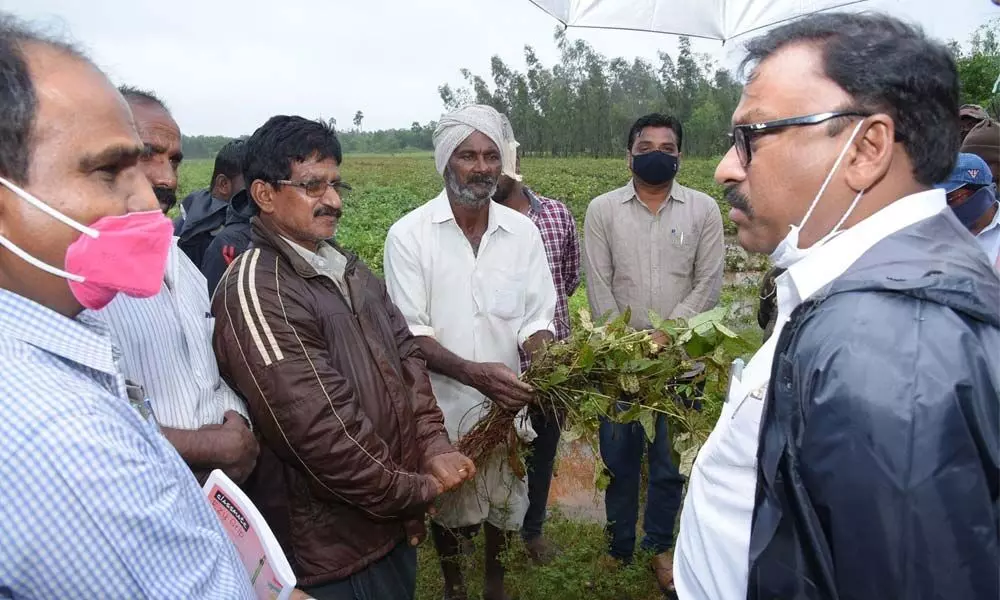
[984,141]
[974,111]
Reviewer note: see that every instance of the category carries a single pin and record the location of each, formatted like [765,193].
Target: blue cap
[969,169]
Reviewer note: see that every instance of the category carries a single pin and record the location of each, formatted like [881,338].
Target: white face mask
[787,253]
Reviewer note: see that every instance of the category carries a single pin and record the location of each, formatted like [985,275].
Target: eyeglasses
[743,135]
[318,187]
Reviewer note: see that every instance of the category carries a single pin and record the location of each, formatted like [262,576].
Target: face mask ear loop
[37,263]
[829,176]
[45,208]
[843,219]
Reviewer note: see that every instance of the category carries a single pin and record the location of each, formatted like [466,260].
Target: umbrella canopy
[713,19]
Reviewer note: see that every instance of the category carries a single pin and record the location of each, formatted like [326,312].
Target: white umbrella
[713,19]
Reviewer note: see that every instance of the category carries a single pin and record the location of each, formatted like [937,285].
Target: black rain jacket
[231,241]
[205,216]
[878,457]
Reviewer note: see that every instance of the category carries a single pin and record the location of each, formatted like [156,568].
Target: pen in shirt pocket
[677,236]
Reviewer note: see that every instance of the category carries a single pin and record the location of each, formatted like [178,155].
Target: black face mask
[655,168]
[976,205]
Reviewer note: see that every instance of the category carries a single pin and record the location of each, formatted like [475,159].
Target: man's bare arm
[495,380]
[441,360]
[229,446]
[199,448]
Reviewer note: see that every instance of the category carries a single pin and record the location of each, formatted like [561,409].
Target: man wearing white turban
[472,279]
[455,128]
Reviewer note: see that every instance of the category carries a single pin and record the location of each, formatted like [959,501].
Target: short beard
[464,195]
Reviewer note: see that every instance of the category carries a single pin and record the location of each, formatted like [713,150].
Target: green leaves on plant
[607,370]
[602,477]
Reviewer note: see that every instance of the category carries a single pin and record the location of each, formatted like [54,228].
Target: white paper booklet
[270,574]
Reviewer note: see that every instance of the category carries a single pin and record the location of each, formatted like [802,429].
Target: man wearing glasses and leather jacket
[354,445]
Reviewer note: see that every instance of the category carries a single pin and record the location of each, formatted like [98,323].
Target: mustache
[165,196]
[738,200]
[463,193]
[486,180]
[327,211]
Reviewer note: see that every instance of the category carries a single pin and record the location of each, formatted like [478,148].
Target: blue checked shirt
[94,503]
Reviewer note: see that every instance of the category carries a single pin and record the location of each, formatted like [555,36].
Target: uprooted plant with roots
[609,370]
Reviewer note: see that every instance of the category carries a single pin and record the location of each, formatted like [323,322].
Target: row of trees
[389,141]
[203,146]
[384,141]
[979,67]
[584,104]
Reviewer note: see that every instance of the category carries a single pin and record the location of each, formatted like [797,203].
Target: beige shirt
[669,262]
[328,262]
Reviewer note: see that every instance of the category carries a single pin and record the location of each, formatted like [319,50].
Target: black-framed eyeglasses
[742,135]
[318,187]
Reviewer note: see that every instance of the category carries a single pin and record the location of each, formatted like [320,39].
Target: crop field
[387,187]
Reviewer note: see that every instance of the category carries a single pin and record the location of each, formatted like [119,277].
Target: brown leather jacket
[341,400]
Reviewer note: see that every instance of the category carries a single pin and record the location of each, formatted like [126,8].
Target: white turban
[453,128]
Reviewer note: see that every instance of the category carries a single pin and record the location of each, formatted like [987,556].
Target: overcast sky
[225,66]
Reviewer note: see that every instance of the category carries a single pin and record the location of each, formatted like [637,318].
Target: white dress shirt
[989,239]
[711,561]
[166,344]
[481,306]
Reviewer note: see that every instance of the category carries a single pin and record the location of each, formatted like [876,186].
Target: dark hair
[18,100]
[888,67]
[655,120]
[141,96]
[271,150]
[229,161]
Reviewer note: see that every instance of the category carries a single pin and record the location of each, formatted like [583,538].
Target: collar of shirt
[992,228]
[989,239]
[326,258]
[441,212]
[676,193]
[832,259]
[83,340]
[995,223]
[171,274]
[533,200]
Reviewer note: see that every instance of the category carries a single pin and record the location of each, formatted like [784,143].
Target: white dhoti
[481,304]
[495,495]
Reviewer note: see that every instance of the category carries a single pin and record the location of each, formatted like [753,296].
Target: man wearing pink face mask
[94,503]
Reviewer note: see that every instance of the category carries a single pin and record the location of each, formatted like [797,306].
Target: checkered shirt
[562,248]
[94,503]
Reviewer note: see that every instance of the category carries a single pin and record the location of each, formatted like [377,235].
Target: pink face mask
[125,254]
